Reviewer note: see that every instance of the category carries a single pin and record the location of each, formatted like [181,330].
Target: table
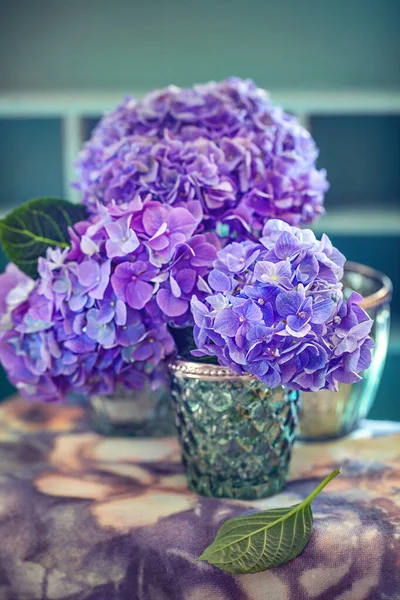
[83,517]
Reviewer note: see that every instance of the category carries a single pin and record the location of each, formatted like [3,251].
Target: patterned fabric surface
[87,517]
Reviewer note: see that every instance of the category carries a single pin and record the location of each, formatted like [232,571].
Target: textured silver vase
[328,414]
[236,434]
[133,413]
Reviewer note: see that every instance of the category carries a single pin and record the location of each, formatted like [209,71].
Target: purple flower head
[133,330]
[123,240]
[15,289]
[50,353]
[186,276]
[237,257]
[277,274]
[98,315]
[94,276]
[167,228]
[281,316]
[131,283]
[223,145]
[296,309]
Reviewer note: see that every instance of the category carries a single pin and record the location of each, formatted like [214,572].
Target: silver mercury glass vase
[236,434]
[327,414]
[131,413]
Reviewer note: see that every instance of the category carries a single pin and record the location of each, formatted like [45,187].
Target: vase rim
[383,294]
[187,369]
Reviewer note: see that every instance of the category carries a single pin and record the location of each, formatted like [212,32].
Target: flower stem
[321,486]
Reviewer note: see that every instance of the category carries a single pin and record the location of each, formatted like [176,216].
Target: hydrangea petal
[171,306]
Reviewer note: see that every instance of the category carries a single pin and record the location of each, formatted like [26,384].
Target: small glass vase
[236,435]
[327,414]
[133,413]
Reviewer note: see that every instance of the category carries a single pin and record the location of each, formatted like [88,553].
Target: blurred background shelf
[86,104]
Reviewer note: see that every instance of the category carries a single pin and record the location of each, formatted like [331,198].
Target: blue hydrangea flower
[277,312]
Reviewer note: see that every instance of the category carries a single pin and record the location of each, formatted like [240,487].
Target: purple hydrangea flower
[166,228]
[131,282]
[85,352]
[185,277]
[98,315]
[123,240]
[277,312]
[15,289]
[223,145]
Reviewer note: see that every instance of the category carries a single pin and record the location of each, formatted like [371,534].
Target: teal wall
[67,44]
[30,160]
[362,157]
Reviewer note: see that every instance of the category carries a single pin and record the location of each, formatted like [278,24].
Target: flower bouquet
[187,245]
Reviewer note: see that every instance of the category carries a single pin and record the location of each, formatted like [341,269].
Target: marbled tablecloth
[88,517]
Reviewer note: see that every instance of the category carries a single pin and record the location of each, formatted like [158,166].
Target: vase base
[321,437]
[145,414]
[109,429]
[209,487]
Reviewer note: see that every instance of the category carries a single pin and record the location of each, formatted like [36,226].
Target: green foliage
[30,229]
[263,540]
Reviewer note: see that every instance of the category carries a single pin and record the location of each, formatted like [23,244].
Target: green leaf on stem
[30,229]
[263,540]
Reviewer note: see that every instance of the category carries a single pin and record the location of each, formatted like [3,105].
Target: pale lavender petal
[265,271]
[186,279]
[361,330]
[76,303]
[219,281]
[175,289]
[322,311]
[181,220]
[120,312]
[299,333]
[153,219]
[227,322]
[88,246]
[171,306]
[199,311]
[88,273]
[106,313]
[349,344]
[286,245]
[250,311]
[138,293]
[102,280]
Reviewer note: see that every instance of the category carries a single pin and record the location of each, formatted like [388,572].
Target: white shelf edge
[305,103]
[72,139]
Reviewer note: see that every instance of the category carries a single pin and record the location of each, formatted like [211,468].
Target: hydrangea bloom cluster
[278,312]
[222,144]
[97,315]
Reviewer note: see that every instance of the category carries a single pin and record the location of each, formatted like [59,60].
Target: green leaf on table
[263,540]
[27,231]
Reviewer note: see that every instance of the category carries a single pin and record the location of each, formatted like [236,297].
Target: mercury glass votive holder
[131,413]
[236,434]
[327,414]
